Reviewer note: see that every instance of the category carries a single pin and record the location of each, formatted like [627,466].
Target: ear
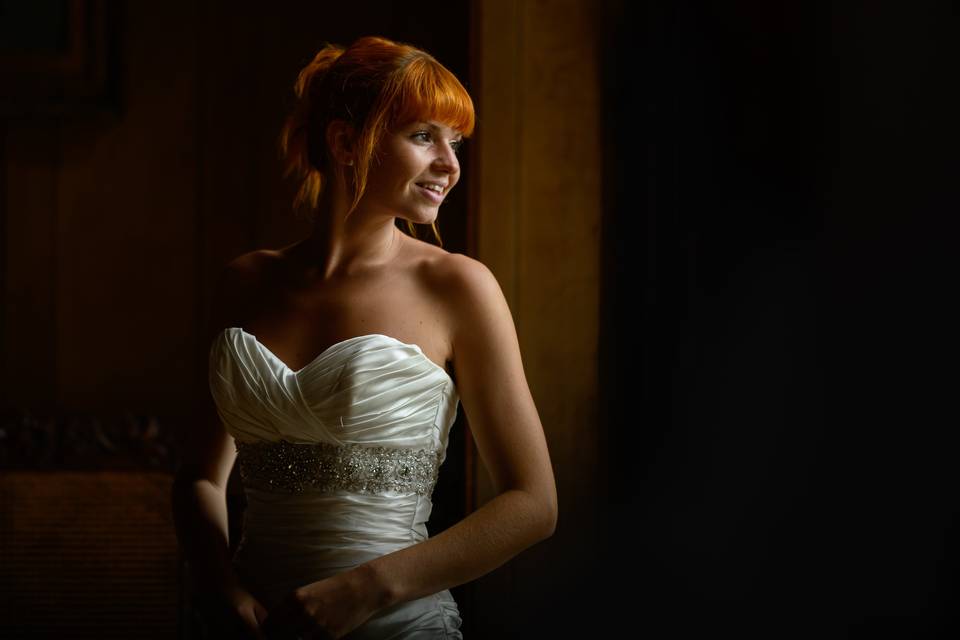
[341,140]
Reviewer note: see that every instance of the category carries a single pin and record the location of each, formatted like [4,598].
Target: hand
[234,612]
[327,609]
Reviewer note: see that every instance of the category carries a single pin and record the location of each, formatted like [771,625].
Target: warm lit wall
[538,229]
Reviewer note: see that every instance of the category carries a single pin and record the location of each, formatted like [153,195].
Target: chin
[420,219]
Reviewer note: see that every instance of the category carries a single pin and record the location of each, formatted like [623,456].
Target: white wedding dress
[338,461]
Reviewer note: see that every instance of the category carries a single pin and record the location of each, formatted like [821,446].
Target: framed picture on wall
[56,58]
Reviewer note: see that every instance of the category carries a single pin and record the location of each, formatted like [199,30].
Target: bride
[336,368]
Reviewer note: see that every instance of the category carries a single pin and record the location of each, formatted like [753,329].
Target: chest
[298,320]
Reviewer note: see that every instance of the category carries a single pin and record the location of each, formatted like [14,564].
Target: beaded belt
[295,468]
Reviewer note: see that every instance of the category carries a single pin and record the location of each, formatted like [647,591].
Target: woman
[336,368]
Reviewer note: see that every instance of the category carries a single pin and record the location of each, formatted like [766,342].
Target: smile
[434,196]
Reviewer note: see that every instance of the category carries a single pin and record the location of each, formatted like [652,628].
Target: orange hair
[375,85]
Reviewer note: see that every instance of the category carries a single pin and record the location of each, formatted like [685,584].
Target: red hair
[375,85]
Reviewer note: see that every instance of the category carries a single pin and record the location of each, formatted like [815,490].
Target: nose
[446,160]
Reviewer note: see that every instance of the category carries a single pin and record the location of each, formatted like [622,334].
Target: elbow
[548,528]
[548,519]
[545,501]
[539,515]
[551,523]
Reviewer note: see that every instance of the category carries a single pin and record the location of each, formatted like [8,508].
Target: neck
[341,245]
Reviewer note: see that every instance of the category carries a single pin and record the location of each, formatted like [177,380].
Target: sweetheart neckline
[339,344]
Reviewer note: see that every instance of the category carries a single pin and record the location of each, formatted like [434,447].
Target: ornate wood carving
[31,441]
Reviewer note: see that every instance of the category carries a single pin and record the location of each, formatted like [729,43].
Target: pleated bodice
[338,461]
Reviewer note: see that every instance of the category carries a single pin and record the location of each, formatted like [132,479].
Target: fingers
[252,623]
[260,612]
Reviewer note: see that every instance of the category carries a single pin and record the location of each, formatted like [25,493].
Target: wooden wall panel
[29,262]
[558,275]
[538,228]
[126,232]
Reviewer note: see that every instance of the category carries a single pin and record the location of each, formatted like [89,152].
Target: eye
[425,136]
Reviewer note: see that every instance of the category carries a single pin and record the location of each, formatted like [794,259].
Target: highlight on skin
[377,86]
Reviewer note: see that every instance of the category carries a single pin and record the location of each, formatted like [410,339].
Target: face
[418,168]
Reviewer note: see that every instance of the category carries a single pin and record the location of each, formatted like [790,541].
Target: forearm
[478,544]
[200,517]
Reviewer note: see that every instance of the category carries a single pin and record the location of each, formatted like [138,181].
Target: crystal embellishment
[294,468]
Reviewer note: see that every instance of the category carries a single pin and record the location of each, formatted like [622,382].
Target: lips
[429,193]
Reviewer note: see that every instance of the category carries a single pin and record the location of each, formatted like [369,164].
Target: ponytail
[302,148]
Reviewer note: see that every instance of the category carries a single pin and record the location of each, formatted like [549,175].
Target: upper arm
[208,450]
[492,385]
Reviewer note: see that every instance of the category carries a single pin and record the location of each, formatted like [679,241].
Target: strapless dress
[338,462]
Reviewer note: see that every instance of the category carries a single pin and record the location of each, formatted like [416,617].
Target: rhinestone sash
[294,468]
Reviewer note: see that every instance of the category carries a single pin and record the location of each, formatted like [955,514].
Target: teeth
[433,187]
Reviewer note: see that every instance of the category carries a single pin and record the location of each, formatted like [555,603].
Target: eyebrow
[435,127]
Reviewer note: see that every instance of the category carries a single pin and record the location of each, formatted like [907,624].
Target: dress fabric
[338,461]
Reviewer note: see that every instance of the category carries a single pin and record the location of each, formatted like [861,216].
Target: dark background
[778,385]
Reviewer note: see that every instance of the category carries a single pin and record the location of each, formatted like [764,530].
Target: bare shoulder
[463,278]
[473,301]
[464,268]
[250,266]
[245,272]
[237,287]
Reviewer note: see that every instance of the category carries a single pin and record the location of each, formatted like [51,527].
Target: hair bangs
[429,92]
